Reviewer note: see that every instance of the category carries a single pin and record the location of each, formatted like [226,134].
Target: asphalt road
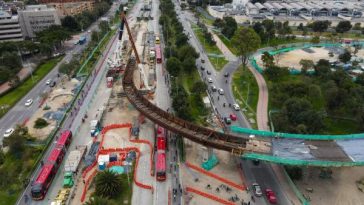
[263,173]
[19,113]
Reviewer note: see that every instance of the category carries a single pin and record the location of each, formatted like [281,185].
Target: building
[36,18]
[10,29]
[72,8]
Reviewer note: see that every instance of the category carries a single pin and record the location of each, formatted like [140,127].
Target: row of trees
[322,26]
[181,58]
[268,29]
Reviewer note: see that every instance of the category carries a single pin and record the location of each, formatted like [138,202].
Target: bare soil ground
[292,59]
[58,97]
[226,168]
[340,189]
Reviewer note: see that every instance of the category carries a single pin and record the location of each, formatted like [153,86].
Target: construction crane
[140,65]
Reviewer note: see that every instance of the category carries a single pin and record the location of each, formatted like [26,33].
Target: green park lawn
[246,91]
[211,50]
[10,98]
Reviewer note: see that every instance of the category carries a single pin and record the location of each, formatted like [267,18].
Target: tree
[315,39]
[345,57]
[343,26]
[14,81]
[186,51]
[181,39]
[229,27]
[246,41]
[322,67]
[16,141]
[267,59]
[174,66]
[300,27]
[319,26]
[357,27]
[96,200]
[188,65]
[95,36]
[199,87]
[104,27]
[360,79]
[108,184]
[70,23]
[275,72]
[40,123]
[306,64]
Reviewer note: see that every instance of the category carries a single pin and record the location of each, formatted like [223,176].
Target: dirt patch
[57,100]
[226,168]
[340,189]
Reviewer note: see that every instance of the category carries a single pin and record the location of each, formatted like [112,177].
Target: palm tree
[108,184]
[97,201]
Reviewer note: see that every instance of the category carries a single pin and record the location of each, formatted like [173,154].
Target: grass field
[217,62]
[246,92]
[9,99]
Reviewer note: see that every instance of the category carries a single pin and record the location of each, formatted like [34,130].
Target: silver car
[257,190]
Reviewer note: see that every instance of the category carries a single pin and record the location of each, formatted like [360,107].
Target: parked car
[227,120]
[257,190]
[8,132]
[213,88]
[221,91]
[209,80]
[29,102]
[236,107]
[233,117]
[271,196]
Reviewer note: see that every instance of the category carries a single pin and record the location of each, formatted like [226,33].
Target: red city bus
[65,139]
[161,143]
[56,156]
[160,130]
[158,53]
[161,166]
[43,181]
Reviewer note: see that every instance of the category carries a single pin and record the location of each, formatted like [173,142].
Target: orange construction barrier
[210,196]
[87,183]
[241,187]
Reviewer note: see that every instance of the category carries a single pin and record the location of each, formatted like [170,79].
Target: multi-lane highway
[19,113]
[261,173]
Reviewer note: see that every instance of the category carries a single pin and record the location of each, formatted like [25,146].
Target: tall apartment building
[10,29]
[36,18]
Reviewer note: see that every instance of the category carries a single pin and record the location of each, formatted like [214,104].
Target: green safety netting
[298,162]
[262,133]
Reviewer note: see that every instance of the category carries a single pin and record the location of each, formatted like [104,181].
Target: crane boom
[125,22]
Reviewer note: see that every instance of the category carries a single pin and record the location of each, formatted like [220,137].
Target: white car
[29,102]
[8,132]
[49,82]
[257,190]
[236,107]
[209,80]
[89,31]
[221,91]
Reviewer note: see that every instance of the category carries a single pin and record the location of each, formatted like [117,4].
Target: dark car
[226,74]
[202,61]
[208,72]
[52,84]
[227,120]
[202,68]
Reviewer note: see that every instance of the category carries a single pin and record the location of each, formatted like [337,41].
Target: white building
[9,27]
[36,18]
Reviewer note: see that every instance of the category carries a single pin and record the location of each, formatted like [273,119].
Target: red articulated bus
[65,139]
[161,143]
[158,53]
[49,169]
[161,166]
